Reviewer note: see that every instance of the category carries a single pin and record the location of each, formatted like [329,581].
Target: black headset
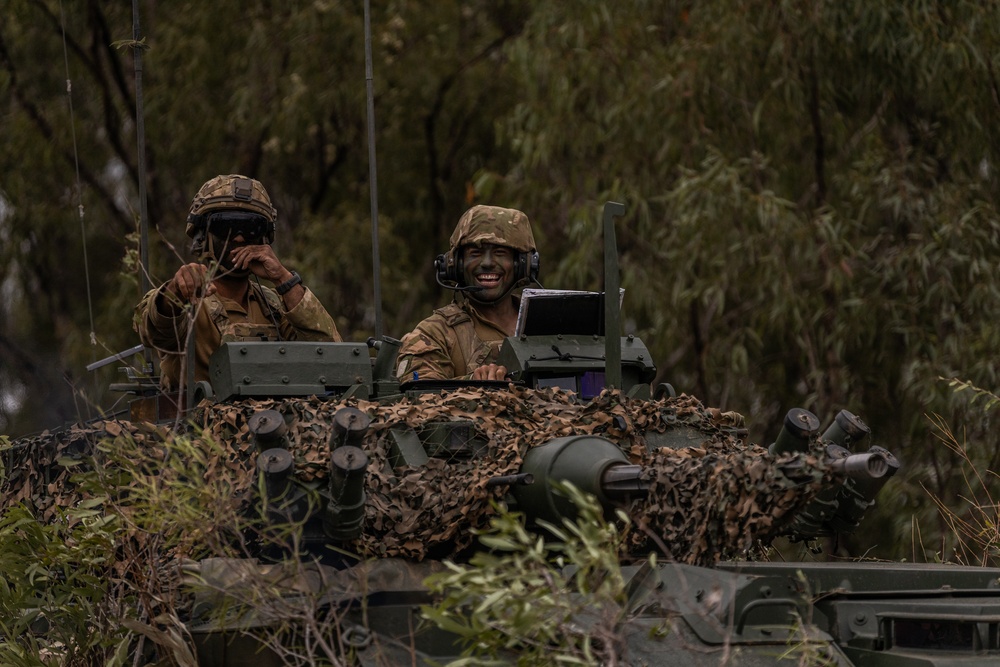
[449,268]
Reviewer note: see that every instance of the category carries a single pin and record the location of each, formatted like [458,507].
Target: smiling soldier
[492,254]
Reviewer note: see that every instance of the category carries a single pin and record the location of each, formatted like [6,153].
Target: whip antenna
[372,177]
[140,134]
[79,190]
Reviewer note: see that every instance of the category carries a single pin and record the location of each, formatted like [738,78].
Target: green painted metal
[740,614]
[265,369]
[537,360]
[612,284]
[580,459]
[407,450]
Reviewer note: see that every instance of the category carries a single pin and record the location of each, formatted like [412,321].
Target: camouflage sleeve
[426,353]
[156,329]
[309,321]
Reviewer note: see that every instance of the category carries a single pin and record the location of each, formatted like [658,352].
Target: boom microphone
[456,287]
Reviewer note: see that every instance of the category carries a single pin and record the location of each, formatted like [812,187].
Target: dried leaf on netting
[706,502]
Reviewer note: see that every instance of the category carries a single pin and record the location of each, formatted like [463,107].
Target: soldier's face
[231,230]
[223,247]
[490,267]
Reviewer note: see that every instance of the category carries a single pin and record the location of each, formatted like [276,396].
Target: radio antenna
[372,174]
[78,191]
[140,133]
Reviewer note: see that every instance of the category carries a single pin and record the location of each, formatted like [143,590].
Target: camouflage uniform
[163,325]
[456,339]
[219,320]
[449,344]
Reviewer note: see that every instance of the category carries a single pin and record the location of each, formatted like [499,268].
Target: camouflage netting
[708,502]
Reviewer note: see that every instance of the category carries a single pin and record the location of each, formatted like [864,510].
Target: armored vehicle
[342,504]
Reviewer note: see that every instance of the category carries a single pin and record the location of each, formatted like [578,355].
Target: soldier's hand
[261,261]
[191,282]
[490,372]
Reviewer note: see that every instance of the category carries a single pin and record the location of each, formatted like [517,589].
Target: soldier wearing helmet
[492,254]
[231,222]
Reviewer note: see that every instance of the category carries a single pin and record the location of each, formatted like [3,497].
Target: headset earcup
[198,244]
[441,268]
[445,267]
[526,266]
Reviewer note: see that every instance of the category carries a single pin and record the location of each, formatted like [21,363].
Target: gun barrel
[523,478]
[623,481]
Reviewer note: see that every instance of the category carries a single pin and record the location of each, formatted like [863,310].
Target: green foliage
[179,496]
[973,527]
[806,650]
[4,445]
[560,601]
[990,399]
[107,580]
[57,604]
[79,589]
[973,535]
[811,202]
[776,204]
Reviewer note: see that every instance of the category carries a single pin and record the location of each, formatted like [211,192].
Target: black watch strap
[283,288]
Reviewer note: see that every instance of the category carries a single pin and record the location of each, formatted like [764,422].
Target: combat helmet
[230,192]
[495,225]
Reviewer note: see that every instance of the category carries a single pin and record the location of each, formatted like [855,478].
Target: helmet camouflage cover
[229,192]
[493,224]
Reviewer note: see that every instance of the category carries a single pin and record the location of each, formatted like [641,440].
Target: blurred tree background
[811,188]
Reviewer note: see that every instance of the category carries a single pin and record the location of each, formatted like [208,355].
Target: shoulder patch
[453,314]
[420,345]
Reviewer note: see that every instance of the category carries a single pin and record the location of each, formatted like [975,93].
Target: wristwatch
[283,288]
